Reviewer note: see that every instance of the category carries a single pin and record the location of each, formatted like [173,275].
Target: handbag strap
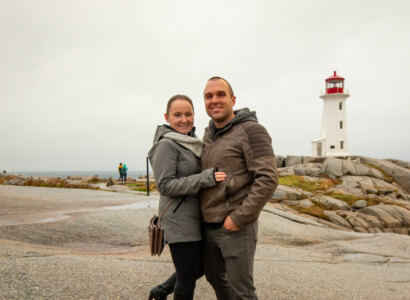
[165,208]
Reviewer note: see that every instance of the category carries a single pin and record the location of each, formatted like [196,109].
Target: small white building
[333,133]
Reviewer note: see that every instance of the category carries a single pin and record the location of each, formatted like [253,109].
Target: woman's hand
[220,176]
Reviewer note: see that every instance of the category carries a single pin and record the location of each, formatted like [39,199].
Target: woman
[175,159]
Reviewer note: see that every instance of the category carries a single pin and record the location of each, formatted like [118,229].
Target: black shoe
[160,293]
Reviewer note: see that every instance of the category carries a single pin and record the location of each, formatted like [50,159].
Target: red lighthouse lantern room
[335,84]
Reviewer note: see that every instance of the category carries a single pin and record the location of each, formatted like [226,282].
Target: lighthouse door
[319,149]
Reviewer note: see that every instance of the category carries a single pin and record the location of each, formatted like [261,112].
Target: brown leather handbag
[156,232]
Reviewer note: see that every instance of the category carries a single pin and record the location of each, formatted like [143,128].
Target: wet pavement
[33,205]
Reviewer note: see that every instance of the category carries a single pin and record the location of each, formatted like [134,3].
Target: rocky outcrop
[338,220]
[359,204]
[375,192]
[399,170]
[280,161]
[402,177]
[338,167]
[362,186]
[293,160]
[306,203]
[376,218]
[308,169]
[332,203]
[284,192]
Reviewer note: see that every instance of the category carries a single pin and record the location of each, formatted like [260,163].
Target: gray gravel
[103,254]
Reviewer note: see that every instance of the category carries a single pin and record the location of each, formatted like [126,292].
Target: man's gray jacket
[243,150]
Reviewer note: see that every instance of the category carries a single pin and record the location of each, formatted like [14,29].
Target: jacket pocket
[235,183]
[179,204]
[229,188]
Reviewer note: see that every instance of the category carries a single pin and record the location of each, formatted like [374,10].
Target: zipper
[179,204]
[227,192]
[209,152]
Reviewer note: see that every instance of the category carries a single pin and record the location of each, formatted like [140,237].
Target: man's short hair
[217,78]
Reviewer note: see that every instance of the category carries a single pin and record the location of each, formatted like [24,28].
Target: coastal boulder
[279,194]
[284,192]
[399,170]
[359,204]
[383,215]
[336,219]
[336,167]
[311,159]
[286,171]
[280,161]
[308,169]
[292,160]
[402,177]
[399,213]
[332,203]
[306,203]
[333,167]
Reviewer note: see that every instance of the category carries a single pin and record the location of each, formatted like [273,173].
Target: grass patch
[317,210]
[310,186]
[351,199]
[142,186]
[387,177]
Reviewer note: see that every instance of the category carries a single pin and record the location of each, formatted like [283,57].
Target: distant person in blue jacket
[124,173]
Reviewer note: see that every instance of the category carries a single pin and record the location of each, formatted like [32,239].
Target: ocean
[64,174]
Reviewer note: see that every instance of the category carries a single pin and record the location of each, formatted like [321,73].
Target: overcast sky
[83,84]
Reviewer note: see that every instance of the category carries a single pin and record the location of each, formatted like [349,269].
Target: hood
[188,141]
[163,129]
[241,115]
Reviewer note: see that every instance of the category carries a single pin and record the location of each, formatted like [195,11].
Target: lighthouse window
[340,105]
[332,147]
[341,124]
[341,144]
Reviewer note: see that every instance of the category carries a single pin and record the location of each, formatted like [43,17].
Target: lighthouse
[333,132]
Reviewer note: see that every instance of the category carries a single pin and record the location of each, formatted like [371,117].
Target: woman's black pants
[187,258]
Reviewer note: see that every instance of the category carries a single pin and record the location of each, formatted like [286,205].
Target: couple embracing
[219,187]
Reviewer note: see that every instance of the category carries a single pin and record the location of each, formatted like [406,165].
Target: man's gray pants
[228,261]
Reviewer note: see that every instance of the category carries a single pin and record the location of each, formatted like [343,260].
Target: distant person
[175,159]
[120,170]
[4,171]
[124,173]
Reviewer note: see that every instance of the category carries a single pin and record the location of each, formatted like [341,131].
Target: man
[120,170]
[236,144]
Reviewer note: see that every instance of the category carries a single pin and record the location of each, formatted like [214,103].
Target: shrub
[110,181]
[96,179]
[57,183]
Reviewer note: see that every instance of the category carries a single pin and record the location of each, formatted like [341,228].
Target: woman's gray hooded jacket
[178,175]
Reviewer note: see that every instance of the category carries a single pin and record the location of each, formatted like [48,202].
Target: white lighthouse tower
[333,133]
